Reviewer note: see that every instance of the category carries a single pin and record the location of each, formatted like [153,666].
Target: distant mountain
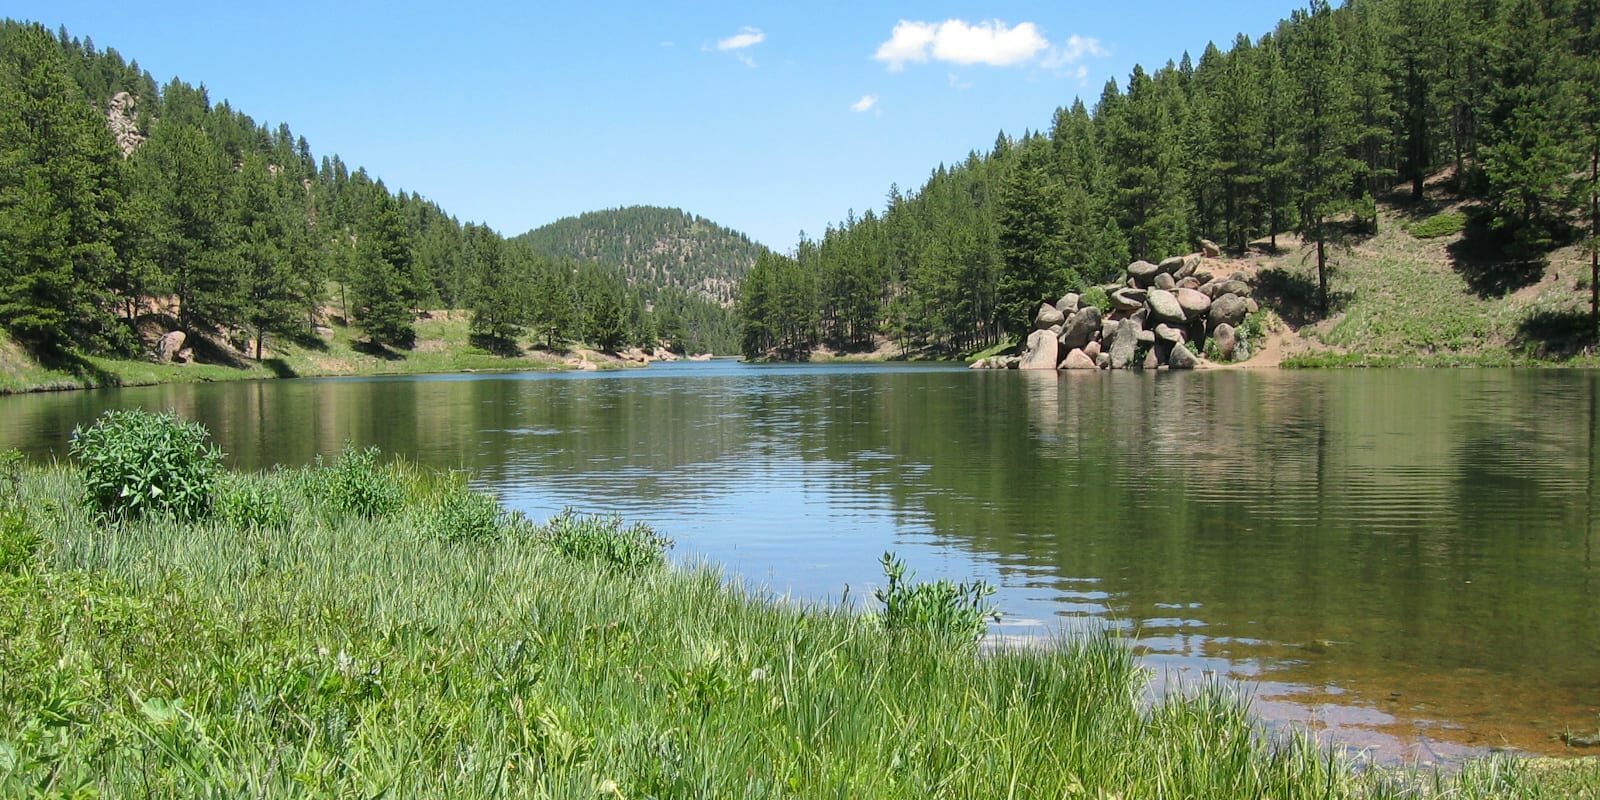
[654,248]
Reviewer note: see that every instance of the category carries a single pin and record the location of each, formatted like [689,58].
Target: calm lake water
[1406,559]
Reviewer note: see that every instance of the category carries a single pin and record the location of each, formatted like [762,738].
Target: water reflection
[1404,558]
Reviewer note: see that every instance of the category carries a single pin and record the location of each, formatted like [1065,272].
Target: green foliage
[135,463]
[941,609]
[250,502]
[1447,223]
[459,514]
[1095,296]
[606,541]
[19,540]
[357,484]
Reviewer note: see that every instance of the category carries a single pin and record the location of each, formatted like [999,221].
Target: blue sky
[769,118]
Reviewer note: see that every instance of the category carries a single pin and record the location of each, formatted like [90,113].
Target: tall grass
[342,654]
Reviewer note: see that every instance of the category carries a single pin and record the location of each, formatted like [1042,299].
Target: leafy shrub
[136,463]
[1097,297]
[1448,223]
[357,484]
[942,609]
[606,540]
[251,502]
[460,514]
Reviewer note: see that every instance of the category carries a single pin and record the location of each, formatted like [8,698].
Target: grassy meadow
[363,629]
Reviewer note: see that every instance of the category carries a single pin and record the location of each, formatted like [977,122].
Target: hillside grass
[1434,292]
[444,345]
[420,651]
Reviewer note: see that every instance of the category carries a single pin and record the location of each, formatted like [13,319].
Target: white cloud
[955,41]
[746,37]
[866,103]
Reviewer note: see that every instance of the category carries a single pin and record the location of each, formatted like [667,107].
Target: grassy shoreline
[444,346]
[354,630]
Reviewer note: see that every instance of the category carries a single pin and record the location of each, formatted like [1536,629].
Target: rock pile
[1159,316]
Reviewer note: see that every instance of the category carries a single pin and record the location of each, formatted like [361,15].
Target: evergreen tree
[60,195]
[1031,248]
[1325,131]
[381,287]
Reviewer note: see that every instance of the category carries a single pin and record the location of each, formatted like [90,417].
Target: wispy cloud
[1074,50]
[957,42]
[865,104]
[745,38]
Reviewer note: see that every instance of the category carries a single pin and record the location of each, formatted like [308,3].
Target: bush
[252,502]
[605,540]
[941,609]
[1448,223]
[357,484]
[460,514]
[136,463]
[1097,297]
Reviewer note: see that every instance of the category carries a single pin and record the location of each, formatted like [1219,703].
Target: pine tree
[1031,249]
[60,195]
[1325,130]
[182,179]
[381,286]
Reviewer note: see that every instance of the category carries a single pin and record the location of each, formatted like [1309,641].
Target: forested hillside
[128,208]
[654,247]
[1303,129]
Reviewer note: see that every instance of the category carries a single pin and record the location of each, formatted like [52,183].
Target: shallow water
[1406,559]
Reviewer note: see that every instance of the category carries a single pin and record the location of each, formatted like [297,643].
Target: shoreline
[720,664]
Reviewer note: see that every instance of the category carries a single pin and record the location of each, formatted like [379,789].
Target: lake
[1406,560]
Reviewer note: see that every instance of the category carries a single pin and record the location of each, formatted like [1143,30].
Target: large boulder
[1152,360]
[1128,299]
[1170,266]
[1167,333]
[1046,317]
[1041,353]
[1068,303]
[1147,337]
[1194,303]
[1143,272]
[1210,249]
[1165,282]
[1126,344]
[1181,358]
[1092,350]
[1108,333]
[1227,339]
[1080,327]
[1218,288]
[1077,359]
[1103,361]
[1164,306]
[169,345]
[1191,263]
[1229,309]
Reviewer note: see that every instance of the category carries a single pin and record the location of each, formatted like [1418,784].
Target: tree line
[192,213]
[1302,129]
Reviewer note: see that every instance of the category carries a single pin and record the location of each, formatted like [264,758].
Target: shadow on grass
[505,348]
[1492,262]
[280,368]
[73,364]
[1557,334]
[1295,296]
[376,350]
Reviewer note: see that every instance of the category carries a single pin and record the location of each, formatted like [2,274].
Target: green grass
[1447,223]
[337,654]
[443,346]
[1402,301]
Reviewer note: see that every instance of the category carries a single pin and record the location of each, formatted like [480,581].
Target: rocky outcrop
[1160,316]
[123,122]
